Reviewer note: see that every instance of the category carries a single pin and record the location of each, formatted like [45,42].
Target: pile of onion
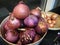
[24,26]
[51,19]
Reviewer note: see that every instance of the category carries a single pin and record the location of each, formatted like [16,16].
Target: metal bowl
[57,25]
[2,32]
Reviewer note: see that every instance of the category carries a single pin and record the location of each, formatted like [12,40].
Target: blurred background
[45,5]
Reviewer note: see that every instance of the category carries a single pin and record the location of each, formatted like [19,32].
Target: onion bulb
[41,27]
[31,21]
[54,21]
[21,11]
[37,37]
[27,36]
[11,36]
[12,23]
[19,43]
[36,12]
[51,25]
[49,21]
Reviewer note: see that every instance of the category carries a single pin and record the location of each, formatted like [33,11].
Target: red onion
[11,36]
[42,26]
[27,36]
[36,12]
[37,37]
[6,27]
[12,23]
[19,43]
[31,21]
[21,11]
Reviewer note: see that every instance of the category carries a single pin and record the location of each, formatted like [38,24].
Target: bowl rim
[54,28]
[15,44]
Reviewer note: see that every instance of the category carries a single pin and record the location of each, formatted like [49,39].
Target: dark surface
[51,35]
[56,10]
[48,40]
[10,4]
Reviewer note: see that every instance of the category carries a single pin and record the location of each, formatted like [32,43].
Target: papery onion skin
[21,11]
[12,23]
[31,21]
[41,27]
[11,36]
[36,12]
[27,36]
[37,37]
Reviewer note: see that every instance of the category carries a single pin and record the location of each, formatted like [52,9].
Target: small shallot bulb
[48,17]
[54,16]
[51,25]
[27,36]
[54,21]
[49,21]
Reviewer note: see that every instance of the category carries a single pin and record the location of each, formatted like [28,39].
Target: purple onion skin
[36,12]
[12,24]
[31,21]
[37,37]
[21,11]
[42,26]
[11,36]
[27,36]
[6,27]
